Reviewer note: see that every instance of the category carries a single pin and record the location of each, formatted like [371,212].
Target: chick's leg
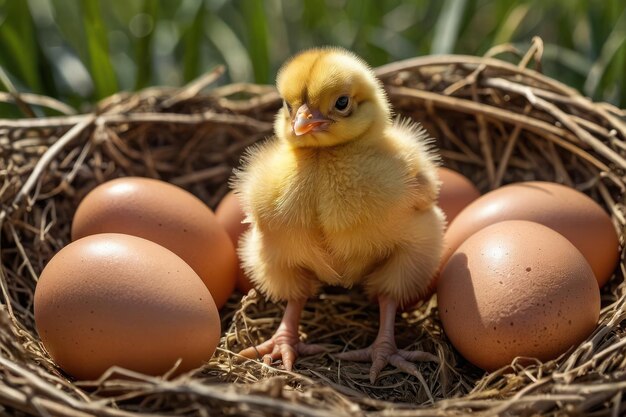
[285,344]
[384,351]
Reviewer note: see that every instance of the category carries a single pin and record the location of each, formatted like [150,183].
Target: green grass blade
[101,68]
[448,26]
[369,15]
[231,49]
[256,21]
[569,58]
[143,55]
[19,45]
[192,40]
[510,23]
[619,68]
[610,49]
[611,84]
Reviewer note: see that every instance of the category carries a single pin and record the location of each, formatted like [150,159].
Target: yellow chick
[342,195]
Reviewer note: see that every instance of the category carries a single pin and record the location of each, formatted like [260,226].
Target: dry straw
[495,121]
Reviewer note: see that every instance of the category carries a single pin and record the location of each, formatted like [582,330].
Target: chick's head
[330,97]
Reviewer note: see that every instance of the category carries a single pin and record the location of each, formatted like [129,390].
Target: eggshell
[456,192]
[114,299]
[165,214]
[568,211]
[230,215]
[517,288]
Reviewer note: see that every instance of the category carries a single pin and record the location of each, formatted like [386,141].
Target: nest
[495,122]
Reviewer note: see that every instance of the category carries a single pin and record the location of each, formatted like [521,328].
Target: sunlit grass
[83,50]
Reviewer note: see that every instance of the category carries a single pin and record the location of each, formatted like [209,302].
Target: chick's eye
[287,106]
[342,103]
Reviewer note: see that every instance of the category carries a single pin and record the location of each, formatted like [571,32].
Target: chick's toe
[384,350]
[285,345]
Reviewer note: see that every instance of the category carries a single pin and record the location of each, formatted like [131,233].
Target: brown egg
[230,215]
[568,211]
[114,299]
[517,288]
[456,192]
[165,214]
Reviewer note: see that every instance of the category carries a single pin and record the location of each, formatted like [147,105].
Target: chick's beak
[308,120]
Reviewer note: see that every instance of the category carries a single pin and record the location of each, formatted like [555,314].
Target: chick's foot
[285,344]
[384,351]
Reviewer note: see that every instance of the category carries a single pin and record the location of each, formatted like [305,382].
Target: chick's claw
[381,354]
[283,346]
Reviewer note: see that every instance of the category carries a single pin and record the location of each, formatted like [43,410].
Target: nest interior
[494,121]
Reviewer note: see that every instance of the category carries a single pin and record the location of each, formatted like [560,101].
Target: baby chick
[341,196]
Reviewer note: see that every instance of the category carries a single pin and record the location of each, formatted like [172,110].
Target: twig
[193,88]
[206,117]
[467,106]
[23,106]
[565,119]
[38,100]
[496,64]
[45,160]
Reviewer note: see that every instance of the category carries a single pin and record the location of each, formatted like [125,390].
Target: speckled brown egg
[165,214]
[230,215]
[564,209]
[456,192]
[113,299]
[517,288]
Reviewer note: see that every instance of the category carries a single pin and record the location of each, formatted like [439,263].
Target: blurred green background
[82,50]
